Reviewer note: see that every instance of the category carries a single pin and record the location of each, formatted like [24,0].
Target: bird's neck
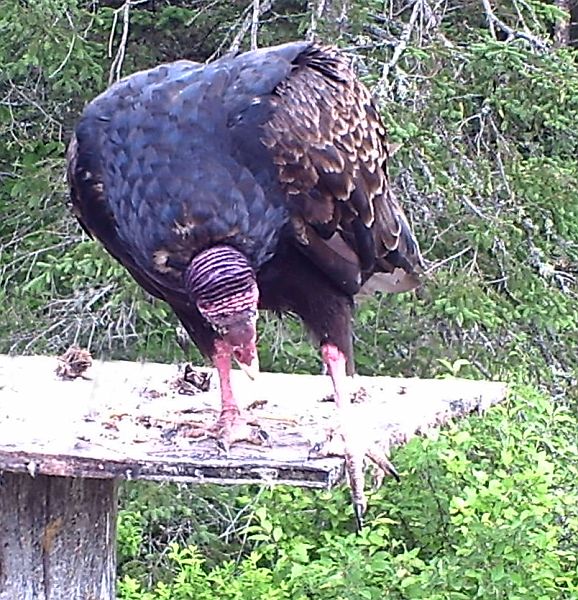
[221,280]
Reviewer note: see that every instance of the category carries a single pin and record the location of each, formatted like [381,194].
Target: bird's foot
[352,445]
[231,428]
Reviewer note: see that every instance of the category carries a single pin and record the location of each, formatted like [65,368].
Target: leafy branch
[495,22]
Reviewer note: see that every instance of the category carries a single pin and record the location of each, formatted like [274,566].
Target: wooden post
[57,538]
[65,444]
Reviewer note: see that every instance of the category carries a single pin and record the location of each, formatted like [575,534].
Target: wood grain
[57,538]
[126,421]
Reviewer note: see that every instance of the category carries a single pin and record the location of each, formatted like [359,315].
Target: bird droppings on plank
[124,421]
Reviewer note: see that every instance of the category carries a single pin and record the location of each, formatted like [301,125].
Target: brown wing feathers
[327,141]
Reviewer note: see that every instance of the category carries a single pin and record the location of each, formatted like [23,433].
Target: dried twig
[440,263]
[246,23]
[70,49]
[512,34]
[206,8]
[116,65]
[26,94]
[118,60]
[317,9]
[255,23]
[403,41]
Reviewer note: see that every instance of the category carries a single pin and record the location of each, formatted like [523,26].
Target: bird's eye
[202,306]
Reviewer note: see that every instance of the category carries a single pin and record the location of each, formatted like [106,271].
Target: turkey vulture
[253,182]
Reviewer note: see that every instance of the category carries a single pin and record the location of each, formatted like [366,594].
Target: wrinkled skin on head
[241,335]
[237,329]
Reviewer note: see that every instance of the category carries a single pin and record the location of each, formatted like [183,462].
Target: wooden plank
[120,422]
[58,538]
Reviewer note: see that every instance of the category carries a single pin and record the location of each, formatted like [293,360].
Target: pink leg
[336,365]
[336,362]
[356,444]
[222,362]
[231,427]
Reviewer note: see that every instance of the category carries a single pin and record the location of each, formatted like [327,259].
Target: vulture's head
[223,285]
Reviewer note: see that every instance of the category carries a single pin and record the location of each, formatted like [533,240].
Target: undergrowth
[486,509]
[487,172]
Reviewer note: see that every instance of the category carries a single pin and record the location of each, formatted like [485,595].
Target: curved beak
[251,369]
[243,339]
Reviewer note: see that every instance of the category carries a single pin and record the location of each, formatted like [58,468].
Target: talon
[234,428]
[223,445]
[341,442]
[315,450]
[229,429]
[359,510]
[381,460]
[263,436]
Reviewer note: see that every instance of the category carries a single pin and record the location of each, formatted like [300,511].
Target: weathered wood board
[121,421]
[58,538]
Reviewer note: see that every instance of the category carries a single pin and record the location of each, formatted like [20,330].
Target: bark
[57,538]
[562,26]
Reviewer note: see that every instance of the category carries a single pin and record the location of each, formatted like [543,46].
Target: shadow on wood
[64,444]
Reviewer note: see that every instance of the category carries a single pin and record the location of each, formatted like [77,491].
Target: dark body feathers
[279,153]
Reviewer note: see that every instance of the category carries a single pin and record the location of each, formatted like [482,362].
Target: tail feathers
[392,283]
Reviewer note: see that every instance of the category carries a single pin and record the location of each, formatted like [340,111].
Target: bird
[258,181]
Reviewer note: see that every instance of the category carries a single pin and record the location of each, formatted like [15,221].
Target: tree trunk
[562,26]
[57,538]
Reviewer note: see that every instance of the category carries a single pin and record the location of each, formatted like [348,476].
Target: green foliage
[487,509]
[487,172]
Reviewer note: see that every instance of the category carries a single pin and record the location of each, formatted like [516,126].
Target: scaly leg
[231,426]
[353,450]
[356,445]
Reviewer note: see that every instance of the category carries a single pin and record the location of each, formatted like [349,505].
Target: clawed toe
[252,434]
[229,429]
[359,511]
[384,466]
[336,444]
[340,443]
[232,428]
